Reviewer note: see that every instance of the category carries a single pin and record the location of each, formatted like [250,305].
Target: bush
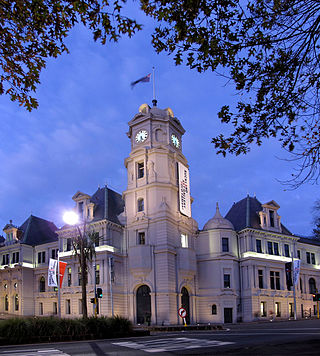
[27,330]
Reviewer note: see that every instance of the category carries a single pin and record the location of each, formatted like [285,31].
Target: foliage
[33,30]
[27,330]
[269,49]
[316,219]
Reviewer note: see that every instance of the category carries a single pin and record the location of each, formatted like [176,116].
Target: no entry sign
[182,312]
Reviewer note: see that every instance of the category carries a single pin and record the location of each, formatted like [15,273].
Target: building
[151,257]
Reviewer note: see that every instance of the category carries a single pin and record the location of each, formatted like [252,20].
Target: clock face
[141,136]
[175,140]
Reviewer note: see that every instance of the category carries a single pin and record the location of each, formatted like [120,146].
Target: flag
[62,268]
[141,80]
[52,273]
[296,271]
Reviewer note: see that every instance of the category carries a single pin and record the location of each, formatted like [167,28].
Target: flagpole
[154,100]
[59,301]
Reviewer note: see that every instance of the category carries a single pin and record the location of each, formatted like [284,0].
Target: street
[267,338]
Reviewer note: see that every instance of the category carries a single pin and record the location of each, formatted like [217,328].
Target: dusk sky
[76,139]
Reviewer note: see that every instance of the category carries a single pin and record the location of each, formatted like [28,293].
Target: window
[40,308]
[42,257]
[277,309]
[6,303]
[313,259]
[15,257]
[96,239]
[16,302]
[141,238]
[54,254]
[68,306]
[301,286]
[260,277]
[214,309]
[5,259]
[276,248]
[258,246]
[140,170]
[80,306]
[69,243]
[275,280]
[184,240]
[226,281]
[42,284]
[80,208]
[225,244]
[270,248]
[291,311]
[308,257]
[312,286]
[55,308]
[299,254]
[69,276]
[97,274]
[286,250]
[263,309]
[140,204]
[271,215]
[79,276]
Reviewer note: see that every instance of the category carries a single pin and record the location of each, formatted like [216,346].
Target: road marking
[171,344]
[33,352]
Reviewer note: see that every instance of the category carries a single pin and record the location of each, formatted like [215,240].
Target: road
[276,338]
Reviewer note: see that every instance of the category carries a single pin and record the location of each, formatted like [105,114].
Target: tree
[269,50]
[31,31]
[84,242]
[316,219]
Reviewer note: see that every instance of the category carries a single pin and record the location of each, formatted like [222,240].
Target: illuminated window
[140,204]
[263,309]
[140,170]
[184,240]
[225,244]
[291,312]
[277,309]
[69,277]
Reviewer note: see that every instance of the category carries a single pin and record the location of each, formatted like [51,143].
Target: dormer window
[271,216]
[80,208]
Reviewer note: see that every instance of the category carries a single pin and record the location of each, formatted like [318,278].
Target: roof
[37,231]
[218,222]
[108,205]
[244,214]
[310,240]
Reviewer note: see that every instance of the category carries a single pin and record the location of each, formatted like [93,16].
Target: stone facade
[151,258]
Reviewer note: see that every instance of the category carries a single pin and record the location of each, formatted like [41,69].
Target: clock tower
[160,235]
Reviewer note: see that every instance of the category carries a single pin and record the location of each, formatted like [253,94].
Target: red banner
[62,268]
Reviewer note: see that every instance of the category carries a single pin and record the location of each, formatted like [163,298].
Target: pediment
[271,204]
[80,196]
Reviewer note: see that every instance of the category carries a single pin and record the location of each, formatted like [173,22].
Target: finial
[10,221]
[154,102]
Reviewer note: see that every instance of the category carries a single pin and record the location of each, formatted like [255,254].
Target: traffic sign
[182,312]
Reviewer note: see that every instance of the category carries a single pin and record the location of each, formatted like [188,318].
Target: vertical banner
[52,273]
[62,268]
[184,190]
[296,271]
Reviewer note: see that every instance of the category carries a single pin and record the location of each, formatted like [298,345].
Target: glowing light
[70,218]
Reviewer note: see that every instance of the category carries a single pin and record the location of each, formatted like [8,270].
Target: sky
[76,139]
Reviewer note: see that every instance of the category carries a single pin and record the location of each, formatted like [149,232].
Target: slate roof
[108,205]
[37,231]
[2,240]
[244,214]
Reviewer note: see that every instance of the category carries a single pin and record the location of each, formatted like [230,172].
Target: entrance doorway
[228,315]
[185,303]
[143,305]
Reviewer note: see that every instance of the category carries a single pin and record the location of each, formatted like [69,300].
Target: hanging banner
[62,268]
[296,271]
[52,273]
[184,190]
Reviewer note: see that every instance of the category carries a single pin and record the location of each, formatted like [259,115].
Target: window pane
[270,249]
[276,248]
[227,281]
[258,245]
[225,244]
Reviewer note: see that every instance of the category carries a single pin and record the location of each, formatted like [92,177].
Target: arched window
[16,302]
[6,303]
[312,286]
[42,284]
[140,204]
[214,309]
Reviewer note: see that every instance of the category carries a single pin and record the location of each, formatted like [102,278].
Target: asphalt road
[272,338]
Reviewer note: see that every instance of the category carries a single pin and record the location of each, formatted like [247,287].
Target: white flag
[296,271]
[52,273]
